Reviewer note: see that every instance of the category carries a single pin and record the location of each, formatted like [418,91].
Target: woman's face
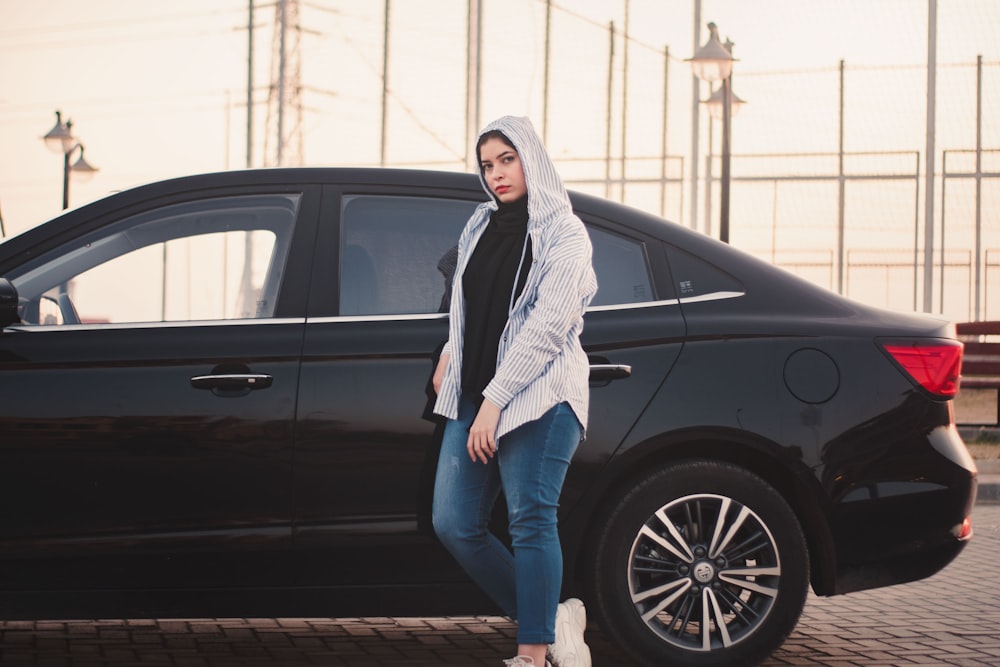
[502,170]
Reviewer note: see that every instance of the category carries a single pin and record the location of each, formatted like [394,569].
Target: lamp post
[714,62]
[60,139]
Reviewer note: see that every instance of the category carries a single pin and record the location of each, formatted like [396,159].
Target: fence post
[841,258]
[979,186]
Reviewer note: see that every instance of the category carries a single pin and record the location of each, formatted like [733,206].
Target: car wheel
[700,563]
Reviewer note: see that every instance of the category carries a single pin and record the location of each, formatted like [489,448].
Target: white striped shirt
[540,362]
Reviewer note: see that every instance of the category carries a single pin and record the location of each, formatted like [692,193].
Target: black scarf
[512,217]
[490,276]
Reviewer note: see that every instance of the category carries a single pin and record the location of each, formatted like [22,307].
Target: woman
[513,382]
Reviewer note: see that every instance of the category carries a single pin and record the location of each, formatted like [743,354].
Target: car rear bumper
[906,523]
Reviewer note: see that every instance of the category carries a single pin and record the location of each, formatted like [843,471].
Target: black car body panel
[282,462]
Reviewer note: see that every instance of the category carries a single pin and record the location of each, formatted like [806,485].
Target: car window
[696,278]
[398,253]
[398,256]
[621,268]
[215,259]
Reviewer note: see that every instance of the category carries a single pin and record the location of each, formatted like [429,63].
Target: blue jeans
[530,465]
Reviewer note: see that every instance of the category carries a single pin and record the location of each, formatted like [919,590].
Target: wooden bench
[981,360]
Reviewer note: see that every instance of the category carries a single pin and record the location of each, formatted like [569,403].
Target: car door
[367,439]
[147,401]
[633,333]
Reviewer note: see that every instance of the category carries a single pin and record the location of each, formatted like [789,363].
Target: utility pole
[250,84]
[385,82]
[695,129]
[472,87]
[285,90]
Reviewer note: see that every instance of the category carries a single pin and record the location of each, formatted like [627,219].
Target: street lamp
[60,139]
[714,62]
[716,101]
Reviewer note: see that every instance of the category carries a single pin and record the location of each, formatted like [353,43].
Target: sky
[157,90]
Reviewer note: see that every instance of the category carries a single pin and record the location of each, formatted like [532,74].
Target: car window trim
[173,324]
[326,319]
[714,296]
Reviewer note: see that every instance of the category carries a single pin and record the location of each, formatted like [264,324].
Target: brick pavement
[950,619]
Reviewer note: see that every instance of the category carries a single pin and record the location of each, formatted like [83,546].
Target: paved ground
[989,481]
[949,619]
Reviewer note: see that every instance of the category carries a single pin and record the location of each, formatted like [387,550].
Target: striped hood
[547,196]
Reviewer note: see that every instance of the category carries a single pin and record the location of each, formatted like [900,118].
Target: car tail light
[934,364]
[963,531]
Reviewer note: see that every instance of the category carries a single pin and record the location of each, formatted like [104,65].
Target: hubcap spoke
[674,533]
[677,588]
[719,547]
[712,617]
[741,577]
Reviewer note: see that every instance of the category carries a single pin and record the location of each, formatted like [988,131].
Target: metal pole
[841,187]
[229,130]
[727,123]
[664,149]
[709,175]
[65,200]
[545,82]
[941,244]
[281,85]
[916,231]
[607,137]
[163,285]
[979,187]
[250,84]
[929,173]
[774,224]
[695,118]
[385,82]
[621,194]
[472,86]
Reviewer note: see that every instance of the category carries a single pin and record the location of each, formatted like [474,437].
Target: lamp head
[84,170]
[60,138]
[713,61]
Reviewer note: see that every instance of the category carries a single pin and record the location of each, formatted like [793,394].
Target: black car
[215,401]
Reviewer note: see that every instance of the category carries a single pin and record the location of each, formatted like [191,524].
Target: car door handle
[232,381]
[609,372]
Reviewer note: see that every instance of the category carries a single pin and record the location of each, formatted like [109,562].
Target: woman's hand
[439,372]
[482,434]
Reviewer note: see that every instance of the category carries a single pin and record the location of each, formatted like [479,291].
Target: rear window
[695,278]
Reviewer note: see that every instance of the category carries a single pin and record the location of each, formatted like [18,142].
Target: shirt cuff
[497,394]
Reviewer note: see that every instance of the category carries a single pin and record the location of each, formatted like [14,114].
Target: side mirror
[8,303]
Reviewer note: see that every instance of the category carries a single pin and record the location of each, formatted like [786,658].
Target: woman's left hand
[482,433]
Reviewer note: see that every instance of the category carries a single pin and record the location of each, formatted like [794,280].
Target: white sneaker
[523,661]
[569,648]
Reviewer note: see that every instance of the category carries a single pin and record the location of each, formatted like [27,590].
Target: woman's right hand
[439,372]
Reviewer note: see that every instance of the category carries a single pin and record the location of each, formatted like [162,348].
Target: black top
[487,283]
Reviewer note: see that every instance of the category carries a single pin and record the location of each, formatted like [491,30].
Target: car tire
[690,544]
